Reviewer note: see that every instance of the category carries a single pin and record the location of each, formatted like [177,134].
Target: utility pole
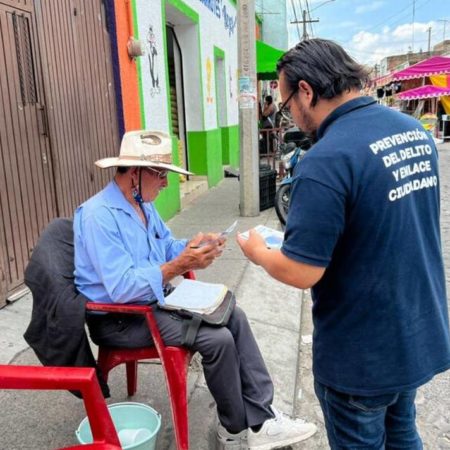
[413,20]
[443,34]
[248,118]
[304,22]
[429,41]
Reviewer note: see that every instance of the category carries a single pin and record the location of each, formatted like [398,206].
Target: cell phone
[224,233]
[229,230]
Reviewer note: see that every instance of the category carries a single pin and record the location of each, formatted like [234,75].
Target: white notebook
[273,238]
[196,296]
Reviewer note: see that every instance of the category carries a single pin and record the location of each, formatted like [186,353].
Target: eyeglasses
[284,105]
[161,173]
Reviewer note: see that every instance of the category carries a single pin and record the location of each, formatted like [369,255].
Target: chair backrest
[76,378]
[56,331]
[53,255]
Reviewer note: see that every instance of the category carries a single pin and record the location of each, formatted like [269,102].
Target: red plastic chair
[174,360]
[82,379]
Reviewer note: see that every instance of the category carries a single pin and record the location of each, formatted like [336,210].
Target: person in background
[268,113]
[363,233]
[124,253]
[282,117]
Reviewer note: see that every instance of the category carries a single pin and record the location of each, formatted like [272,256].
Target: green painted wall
[225,145]
[168,201]
[205,154]
[230,146]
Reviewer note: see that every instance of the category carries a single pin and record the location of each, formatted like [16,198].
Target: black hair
[325,66]
[122,169]
[269,99]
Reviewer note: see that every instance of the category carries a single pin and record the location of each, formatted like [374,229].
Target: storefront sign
[220,10]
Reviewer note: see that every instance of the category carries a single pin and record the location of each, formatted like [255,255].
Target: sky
[372,29]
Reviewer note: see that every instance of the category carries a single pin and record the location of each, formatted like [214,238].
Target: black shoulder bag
[192,320]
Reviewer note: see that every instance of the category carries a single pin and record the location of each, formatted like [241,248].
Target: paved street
[433,401]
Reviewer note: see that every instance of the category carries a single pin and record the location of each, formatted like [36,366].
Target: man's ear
[305,87]
[306,90]
[134,175]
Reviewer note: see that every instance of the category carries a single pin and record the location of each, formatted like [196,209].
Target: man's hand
[253,246]
[277,265]
[199,253]
[211,238]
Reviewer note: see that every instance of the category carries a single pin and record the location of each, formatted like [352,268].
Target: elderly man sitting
[125,253]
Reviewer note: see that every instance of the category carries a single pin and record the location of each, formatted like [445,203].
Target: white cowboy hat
[144,148]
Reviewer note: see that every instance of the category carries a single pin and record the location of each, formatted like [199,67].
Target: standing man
[124,253]
[363,233]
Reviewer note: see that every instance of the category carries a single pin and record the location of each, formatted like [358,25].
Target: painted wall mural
[216,27]
[150,31]
[209,69]
[152,54]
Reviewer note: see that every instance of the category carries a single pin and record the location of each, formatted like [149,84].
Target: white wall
[155,97]
[213,32]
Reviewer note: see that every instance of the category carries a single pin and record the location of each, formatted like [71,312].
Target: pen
[202,244]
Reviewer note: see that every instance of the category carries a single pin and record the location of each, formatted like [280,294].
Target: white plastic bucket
[136,424]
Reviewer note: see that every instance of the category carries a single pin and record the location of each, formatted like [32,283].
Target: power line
[402,12]
[296,21]
[309,15]
[305,21]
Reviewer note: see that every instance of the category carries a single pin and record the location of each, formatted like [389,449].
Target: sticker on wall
[209,97]
[153,61]
[247,93]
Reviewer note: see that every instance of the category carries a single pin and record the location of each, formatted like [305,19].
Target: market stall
[432,94]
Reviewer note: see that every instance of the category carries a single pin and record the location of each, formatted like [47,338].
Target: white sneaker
[279,432]
[229,441]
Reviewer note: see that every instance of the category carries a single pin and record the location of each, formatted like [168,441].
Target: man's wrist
[171,270]
[259,255]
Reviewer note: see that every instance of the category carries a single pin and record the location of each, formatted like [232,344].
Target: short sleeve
[315,222]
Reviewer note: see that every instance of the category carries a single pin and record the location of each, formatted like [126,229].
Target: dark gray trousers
[234,369]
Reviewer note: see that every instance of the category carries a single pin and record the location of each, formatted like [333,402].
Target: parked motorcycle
[294,146]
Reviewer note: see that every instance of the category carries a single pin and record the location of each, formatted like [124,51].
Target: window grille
[24,56]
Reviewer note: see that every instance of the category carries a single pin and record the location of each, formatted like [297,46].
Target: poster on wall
[247,93]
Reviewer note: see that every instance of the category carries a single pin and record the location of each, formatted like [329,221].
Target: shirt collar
[351,105]
[115,198]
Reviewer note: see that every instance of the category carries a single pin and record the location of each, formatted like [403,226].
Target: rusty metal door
[60,49]
[76,56]
[26,180]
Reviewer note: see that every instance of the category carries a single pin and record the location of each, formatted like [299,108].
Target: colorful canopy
[436,65]
[266,61]
[427,91]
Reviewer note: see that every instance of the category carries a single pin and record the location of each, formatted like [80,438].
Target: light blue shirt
[118,259]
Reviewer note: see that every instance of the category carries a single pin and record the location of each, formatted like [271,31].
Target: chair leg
[131,377]
[176,368]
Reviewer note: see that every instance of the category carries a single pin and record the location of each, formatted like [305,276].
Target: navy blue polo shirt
[365,205]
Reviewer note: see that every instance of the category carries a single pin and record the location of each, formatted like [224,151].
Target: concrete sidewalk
[47,420]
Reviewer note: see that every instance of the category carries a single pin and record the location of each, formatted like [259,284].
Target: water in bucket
[137,426]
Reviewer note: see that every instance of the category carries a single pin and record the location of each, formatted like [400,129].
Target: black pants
[232,363]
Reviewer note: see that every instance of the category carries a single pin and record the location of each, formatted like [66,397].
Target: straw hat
[144,148]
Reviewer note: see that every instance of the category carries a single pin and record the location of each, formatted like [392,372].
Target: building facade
[187,85]
[70,90]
